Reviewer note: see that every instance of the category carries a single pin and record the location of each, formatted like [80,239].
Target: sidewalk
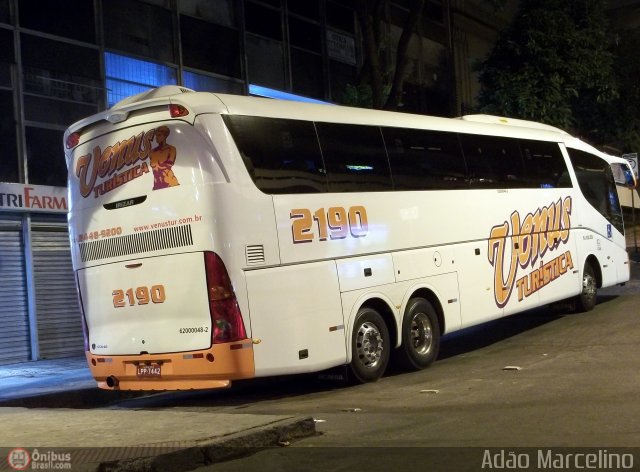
[29,379]
[99,437]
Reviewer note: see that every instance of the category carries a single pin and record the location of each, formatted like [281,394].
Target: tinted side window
[597,185]
[282,156]
[424,160]
[492,162]
[355,157]
[544,165]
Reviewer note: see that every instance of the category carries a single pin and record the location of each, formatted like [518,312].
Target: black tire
[588,296]
[370,346]
[420,335]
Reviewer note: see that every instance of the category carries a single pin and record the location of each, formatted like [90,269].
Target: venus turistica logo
[536,236]
[103,170]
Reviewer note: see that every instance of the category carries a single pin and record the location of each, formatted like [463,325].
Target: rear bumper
[212,368]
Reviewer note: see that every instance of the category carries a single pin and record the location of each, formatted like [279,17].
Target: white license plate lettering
[149,371]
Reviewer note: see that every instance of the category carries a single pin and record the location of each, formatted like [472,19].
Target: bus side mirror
[629,178]
[623,175]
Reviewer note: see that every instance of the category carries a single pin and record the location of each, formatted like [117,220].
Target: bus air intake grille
[255,254]
[138,243]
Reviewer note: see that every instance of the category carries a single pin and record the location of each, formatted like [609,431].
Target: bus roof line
[501,120]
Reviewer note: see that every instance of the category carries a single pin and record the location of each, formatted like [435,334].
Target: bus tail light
[223,305]
[176,111]
[72,140]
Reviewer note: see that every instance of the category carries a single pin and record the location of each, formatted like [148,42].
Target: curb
[185,457]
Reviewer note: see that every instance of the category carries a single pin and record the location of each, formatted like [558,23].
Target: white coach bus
[218,237]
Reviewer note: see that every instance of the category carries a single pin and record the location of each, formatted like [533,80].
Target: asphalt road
[541,379]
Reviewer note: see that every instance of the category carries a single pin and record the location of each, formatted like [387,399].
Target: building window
[260,91]
[306,73]
[138,28]
[9,167]
[207,83]
[61,80]
[265,62]
[45,157]
[69,18]
[5,12]
[220,12]
[6,57]
[126,76]
[60,70]
[306,8]
[263,20]
[304,34]
[54,111]
[220,53]
[340,17]
[433,10]
[341,75]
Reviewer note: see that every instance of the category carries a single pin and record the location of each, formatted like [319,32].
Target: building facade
[475,26]
[63,60]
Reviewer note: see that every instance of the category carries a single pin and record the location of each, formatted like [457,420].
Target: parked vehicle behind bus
[218,237]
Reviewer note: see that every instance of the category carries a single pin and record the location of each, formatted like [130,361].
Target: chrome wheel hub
[421,334]
[589,286]
[369,345]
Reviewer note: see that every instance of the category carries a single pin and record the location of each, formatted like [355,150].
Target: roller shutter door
[59,322]
[14,319]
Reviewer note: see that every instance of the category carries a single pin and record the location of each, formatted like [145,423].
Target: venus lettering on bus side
[531,238]
[331,224]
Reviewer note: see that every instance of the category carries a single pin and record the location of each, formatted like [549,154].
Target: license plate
[149,370]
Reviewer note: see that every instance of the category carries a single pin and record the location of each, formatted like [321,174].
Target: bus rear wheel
[420,335]
[370,346]
[587,298]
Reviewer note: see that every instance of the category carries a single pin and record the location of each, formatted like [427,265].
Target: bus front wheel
[370,346]
[587,298]
[420,335]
